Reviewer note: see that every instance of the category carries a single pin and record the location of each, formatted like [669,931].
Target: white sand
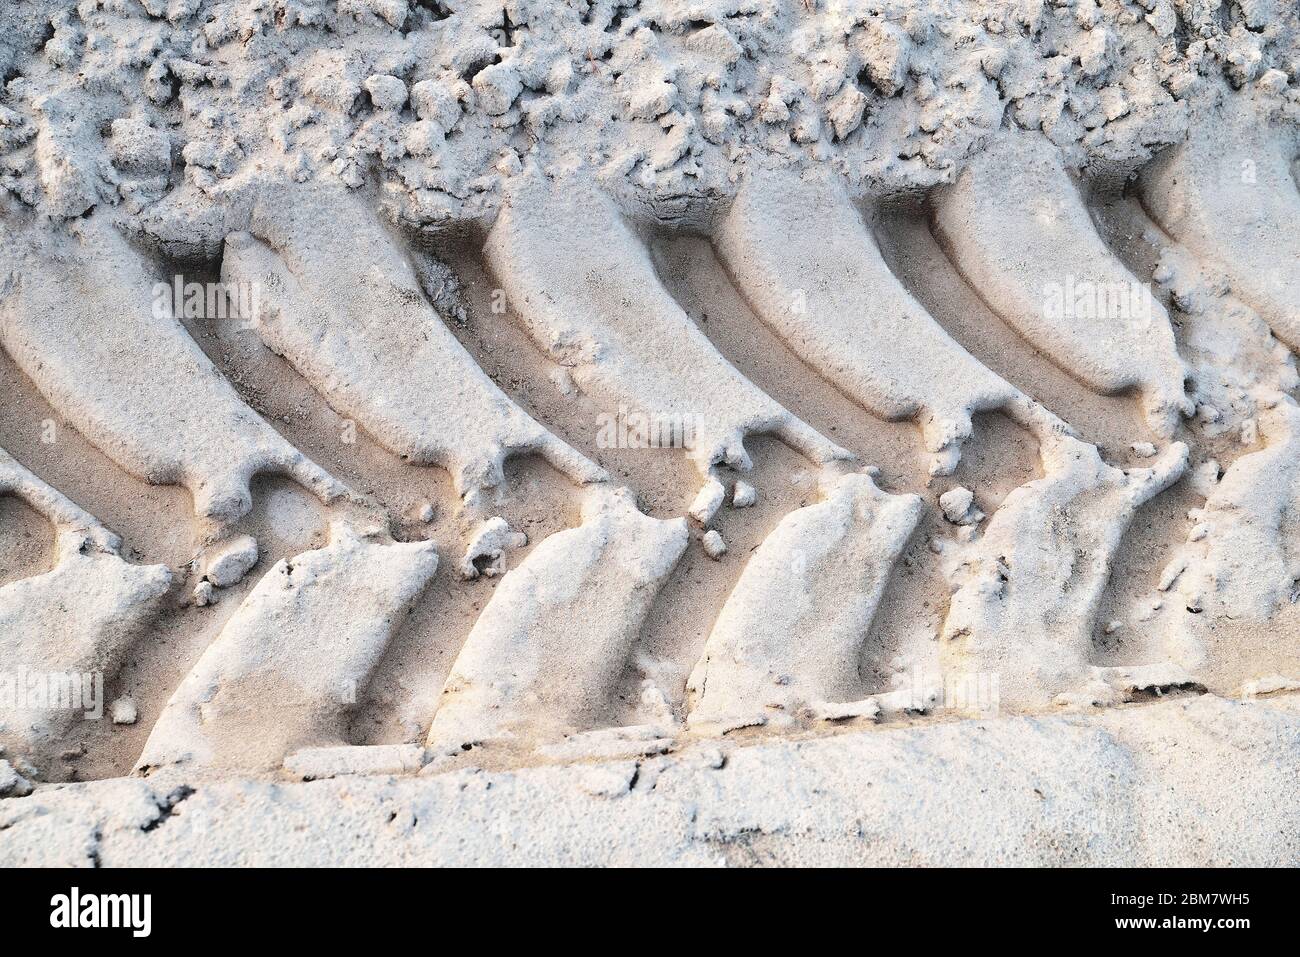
[659,429]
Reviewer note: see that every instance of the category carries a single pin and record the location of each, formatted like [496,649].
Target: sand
[649,425]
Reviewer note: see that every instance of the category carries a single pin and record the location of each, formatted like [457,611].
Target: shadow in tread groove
[26,541]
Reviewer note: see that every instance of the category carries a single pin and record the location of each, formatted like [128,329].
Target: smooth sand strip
[1191,782]
[584,286]
[546,654]
[1229,194]
[790,635]
[810,269]
[1017,228]
[294,659]
[76,316]
[1029,588]
[340,300]
[67,629]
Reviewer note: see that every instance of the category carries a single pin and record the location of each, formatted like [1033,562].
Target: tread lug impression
[293,661]
[584,286]
[137,386]
[340,300]
[69,629]
[790,635]
[809,267]
[1017,228]
[1027,592]
[1229,194]
[545,655]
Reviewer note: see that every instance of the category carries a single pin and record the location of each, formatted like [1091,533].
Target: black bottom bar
[319,907]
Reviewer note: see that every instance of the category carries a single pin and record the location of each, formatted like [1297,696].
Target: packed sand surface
[731,432]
